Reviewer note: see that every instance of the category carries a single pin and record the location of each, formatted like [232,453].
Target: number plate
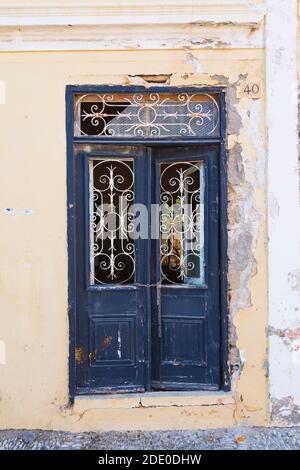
[249,89]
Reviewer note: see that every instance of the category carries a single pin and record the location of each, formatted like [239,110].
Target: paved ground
[236,438]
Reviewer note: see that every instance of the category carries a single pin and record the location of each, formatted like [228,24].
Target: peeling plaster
[285,410]
[234,119]
[289,336]
[11,211]
[145,80]
[245,174]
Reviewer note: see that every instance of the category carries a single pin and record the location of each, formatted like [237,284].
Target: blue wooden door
[147,300]
[111,271]
[185,303]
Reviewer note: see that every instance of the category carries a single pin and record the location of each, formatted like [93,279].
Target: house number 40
[251,90]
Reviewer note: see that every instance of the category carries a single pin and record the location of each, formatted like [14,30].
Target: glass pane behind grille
[182,223]
[112,251]
[147,115]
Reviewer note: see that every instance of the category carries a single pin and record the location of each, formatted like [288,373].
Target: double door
[147,268]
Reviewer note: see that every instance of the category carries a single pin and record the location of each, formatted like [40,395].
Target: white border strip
[283,194]
[133,12]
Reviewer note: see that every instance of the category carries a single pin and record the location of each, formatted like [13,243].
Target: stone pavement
[234,438]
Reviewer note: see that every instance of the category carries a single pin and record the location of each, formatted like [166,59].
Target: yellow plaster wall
[33,282]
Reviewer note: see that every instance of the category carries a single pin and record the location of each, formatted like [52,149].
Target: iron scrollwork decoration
[112,251]
[182,223]
[147,115]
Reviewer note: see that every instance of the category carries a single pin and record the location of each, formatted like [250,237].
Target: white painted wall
[283,205]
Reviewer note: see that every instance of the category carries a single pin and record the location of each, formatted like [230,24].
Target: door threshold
[154,399]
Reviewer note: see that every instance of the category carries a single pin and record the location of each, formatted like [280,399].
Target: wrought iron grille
[182,223]
[147,115]
[112,251]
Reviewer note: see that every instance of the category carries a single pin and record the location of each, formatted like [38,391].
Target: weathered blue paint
[141,89]
[71,242]
[110,315]
[190,359]
[223,243]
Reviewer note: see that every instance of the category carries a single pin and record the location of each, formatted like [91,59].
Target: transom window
[147,115]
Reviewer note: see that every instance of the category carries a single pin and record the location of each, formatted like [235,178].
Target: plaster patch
[27,212]
[2,92]
[274,207]
[189,58]
[236,174]
[2,353]
[254,132]
[242,356]
[157,78]
[11,211]
[142,79]
[135,80]
[285,410]
[294,280]
[291,339]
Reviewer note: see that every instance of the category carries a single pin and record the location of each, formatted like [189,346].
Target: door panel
[111,287]
[185,328]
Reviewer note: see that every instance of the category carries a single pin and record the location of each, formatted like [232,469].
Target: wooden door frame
[223,232]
